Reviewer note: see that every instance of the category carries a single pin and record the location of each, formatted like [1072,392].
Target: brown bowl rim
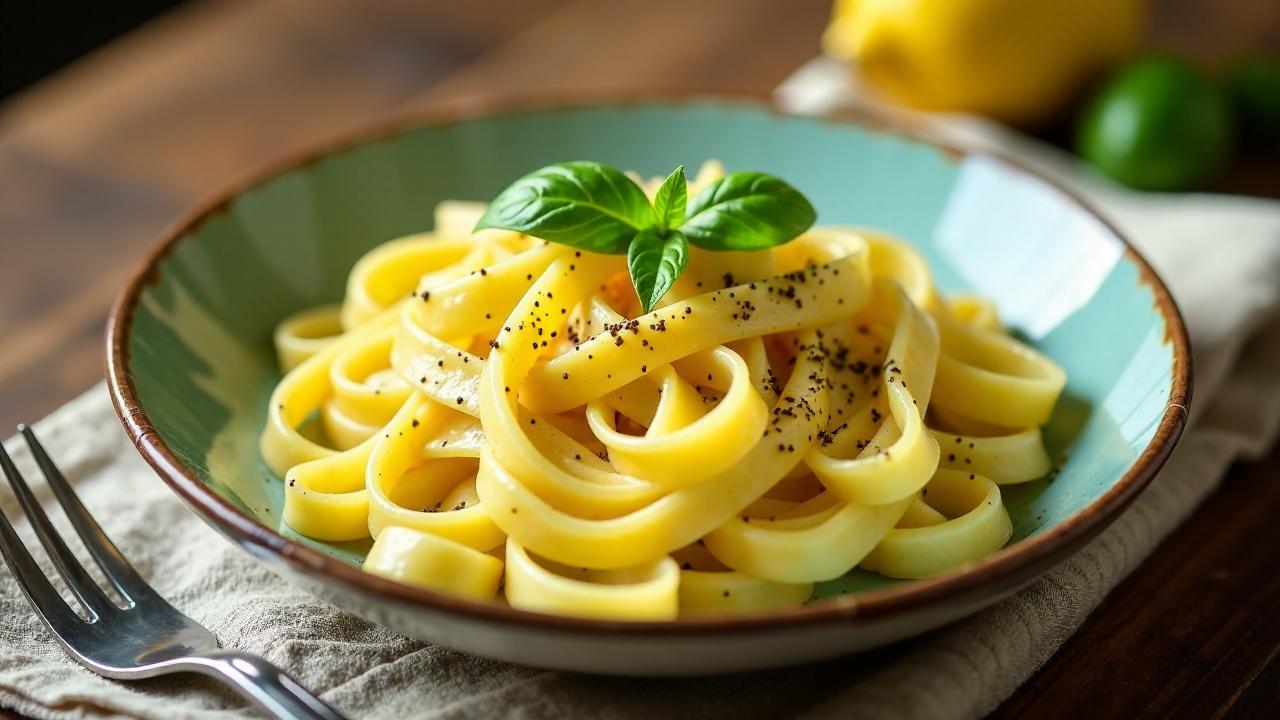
[1005,570]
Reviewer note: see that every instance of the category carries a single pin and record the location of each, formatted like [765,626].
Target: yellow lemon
[1019,61]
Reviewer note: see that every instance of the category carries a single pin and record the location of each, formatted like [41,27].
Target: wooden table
[96,160]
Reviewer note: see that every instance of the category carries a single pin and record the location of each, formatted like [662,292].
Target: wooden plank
[744,46]
[1215,31]
[1194,632]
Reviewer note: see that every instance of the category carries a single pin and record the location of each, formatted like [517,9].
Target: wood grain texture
[1194,632]
[95,161]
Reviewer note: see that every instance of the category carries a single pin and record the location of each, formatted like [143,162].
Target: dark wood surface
[96,160]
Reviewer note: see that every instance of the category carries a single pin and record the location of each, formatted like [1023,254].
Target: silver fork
[146,637]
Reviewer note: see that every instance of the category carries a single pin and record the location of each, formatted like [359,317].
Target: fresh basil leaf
[670,201]
[747,211]
[587,205]
[655,262]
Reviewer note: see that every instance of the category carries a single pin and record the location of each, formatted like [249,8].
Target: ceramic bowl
[191,363]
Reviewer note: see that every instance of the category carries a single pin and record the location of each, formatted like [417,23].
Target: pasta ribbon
[970,524]
[430,561]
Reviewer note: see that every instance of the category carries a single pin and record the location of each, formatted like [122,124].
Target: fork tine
[118,571]
[81,584]
[42,596]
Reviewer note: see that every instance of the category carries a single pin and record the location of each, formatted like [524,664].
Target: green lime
[1253,84]
[1157,125]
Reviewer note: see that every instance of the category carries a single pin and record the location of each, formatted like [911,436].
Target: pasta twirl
[505,423]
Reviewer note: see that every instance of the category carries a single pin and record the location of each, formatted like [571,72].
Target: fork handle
[263,683]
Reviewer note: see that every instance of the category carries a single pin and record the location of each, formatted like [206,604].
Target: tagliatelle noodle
[493,411]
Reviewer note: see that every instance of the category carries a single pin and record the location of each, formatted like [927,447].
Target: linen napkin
[963,670]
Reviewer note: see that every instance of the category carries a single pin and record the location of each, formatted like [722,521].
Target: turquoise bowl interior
[195,340]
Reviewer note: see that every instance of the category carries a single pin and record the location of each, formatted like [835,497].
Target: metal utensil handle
[265,684]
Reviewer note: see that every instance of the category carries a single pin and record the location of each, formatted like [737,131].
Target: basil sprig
[595,207]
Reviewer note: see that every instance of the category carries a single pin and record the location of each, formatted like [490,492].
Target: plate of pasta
[651,387]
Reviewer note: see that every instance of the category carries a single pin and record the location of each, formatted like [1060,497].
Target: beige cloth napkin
[1221,256]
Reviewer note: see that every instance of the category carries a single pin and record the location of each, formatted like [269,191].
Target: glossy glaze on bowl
[191,365]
